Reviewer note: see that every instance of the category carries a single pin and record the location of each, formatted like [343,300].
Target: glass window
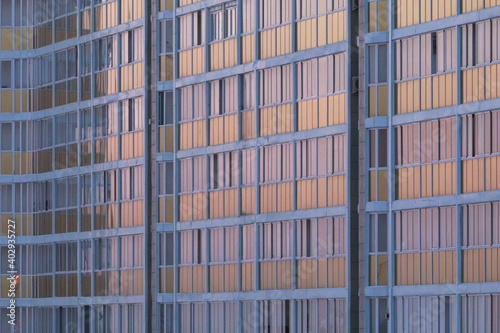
[193,174]
[275,240]
[6,13]
[132,114]
[6,133]
[379,315]
[166,36]
[192,29]
[106,51]
[132,183]
[274,13]
[223,21]
[165,108]
[132,45]
[479,43]
[224,170]
[275,85]
[276,162]
[105,186]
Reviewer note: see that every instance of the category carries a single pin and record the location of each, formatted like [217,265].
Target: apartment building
[251,165]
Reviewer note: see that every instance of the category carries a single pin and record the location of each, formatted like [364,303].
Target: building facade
[251,165]
[74,170]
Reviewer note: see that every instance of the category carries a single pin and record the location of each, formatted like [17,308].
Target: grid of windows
[166,262]
[193,186]
[132,128]
[247,106]
[51,207]
[432,313]
[67,135]
[131,10]
[480,152]
[192,121]
[319,262]
[323,315]
[111,194]
[223,120]
[223,261]
[378,250]
[248,31]
[411,13]
[377,80]
[51,270]
[66,204]
[321,172]
[191,57]
[378,167]
[321,253]
[275,28]
[41,146]
[106,61]
[165,192]
[480,56]
[275,104]
[132,55]
[321,92]
[276,178]
[480,313]
[481,242]
[105,14]
[51,80]
[223,186]
[166,47]
[275,255]
[106,133]
[319,175]
[319,23]
[192,259]
[425,248]
[165,121]
[66,76]
[426,71]
[321,101]
[223,29]
[426,164]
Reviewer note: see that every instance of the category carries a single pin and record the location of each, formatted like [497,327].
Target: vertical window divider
[391,159]
[419,235]
[118,267]
[206,235]
[256,260]
[257,135]
[240,255]
[206,189]
[52,272]
[293,3]
[256,57]
[239,29]
[120,196]
[458,163]
[206,43]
